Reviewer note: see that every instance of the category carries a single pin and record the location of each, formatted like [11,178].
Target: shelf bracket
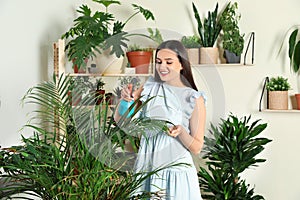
[262,94]
[252,38]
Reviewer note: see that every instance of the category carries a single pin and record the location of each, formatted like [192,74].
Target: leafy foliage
[232,149]
[101,30]
[232,39]
[294,51]
[210,29]
[191,41]
[278,84]
[75,151]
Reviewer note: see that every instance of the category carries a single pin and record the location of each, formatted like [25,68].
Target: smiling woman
[168,67]
[173,97]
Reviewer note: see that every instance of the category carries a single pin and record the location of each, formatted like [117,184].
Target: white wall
[28,29]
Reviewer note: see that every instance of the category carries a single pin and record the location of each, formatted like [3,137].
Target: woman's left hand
[176,130]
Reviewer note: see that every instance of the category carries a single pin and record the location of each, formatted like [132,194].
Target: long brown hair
[186,72]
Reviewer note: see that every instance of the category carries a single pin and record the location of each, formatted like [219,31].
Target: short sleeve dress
[158,149]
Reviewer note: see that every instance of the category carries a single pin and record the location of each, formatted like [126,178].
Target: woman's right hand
[126,93]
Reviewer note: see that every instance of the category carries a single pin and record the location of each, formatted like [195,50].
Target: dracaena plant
[74,152]
[231,148]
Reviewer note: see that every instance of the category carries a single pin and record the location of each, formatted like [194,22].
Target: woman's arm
[194,141]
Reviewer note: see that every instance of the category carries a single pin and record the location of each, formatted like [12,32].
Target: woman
[174,98]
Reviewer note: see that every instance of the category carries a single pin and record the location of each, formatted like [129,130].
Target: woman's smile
[168,67]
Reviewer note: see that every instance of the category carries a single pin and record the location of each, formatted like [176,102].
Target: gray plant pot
[231,57]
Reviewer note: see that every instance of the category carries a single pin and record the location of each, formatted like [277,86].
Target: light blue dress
[158,149]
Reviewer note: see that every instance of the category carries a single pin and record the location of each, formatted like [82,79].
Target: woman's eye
[158,62]
[169,63]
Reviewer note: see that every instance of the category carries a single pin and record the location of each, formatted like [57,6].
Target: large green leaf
[296,57]
[292,42]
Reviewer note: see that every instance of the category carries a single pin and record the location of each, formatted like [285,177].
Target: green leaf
[147,13]
[296,57]
[292,41]
[107,3]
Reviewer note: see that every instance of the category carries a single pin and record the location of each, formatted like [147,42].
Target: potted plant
[79,87]
[294,54]
[232,39]
[192,44]
[100,91]
[231,148]
[93,32]
[74,153]
[278,93]
[139,58]
[208,31]
[124,81]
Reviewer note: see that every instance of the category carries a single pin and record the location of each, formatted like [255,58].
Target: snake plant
[210,29]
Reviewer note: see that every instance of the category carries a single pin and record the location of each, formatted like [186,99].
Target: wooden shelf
[107,75]
[224,65]
[281,111]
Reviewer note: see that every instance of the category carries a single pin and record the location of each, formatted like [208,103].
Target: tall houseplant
[230,150]
[73,152]
[208,31]
[93,32]
[231,37]
[294,54]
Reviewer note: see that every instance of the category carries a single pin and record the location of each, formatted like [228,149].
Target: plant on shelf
[74,152]
[231,37]
[125,81]
[278,93]
[208,30]
[192,45]
[191,41]
[231,149]
[93,32]
[294,54]
[293,48]
[100,91]
[139,58]
[80,86]
[278,83]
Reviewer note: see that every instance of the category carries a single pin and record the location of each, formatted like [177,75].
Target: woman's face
[168,66]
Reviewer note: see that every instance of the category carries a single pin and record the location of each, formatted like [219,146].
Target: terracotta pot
[194,55]
[82,69]
[298,100]
[209,55]
[278,100]
[140,60]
